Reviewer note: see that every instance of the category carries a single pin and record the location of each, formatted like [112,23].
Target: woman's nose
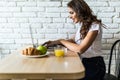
[70,16]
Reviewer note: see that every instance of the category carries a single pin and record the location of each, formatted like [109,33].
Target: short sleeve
[94,27]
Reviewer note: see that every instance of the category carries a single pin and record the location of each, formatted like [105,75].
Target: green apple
[42,49]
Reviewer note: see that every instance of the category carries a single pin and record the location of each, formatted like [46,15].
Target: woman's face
[73,15]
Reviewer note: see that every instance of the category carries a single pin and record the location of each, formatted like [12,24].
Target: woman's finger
[46,43]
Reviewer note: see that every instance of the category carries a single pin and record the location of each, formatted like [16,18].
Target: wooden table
[17,67]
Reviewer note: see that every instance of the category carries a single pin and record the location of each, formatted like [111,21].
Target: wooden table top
[17,66]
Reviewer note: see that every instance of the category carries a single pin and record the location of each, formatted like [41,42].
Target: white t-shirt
[95,49]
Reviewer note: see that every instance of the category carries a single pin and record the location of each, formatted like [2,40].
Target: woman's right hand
[30,51]
[51,43]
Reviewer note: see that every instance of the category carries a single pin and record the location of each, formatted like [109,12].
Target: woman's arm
[84,45]
[72,39]
[57,42]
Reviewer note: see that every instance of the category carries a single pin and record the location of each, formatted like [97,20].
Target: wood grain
[17,66]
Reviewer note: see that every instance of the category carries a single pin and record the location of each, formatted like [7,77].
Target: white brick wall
[49,20]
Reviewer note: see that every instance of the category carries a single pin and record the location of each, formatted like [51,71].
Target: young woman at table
[87,40]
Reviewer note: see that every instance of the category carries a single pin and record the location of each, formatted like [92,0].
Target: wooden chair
[114,53]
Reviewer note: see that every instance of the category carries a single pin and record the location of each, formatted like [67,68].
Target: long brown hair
[84,14]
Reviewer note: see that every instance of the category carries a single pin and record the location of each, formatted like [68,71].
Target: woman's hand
[51,43]
[30,51]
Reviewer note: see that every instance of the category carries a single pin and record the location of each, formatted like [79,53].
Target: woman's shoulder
[94,26]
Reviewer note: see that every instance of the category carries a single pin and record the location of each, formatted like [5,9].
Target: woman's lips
[73,20]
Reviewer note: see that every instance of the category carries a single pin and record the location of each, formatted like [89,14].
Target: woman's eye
[71,12]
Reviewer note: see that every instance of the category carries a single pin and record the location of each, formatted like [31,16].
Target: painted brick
[6,41]
[23,30]
[27,4]
[114,4]
[112,25]
[4,30]
[55,36]
[33,9]
[64,3]
[104,41]
[53,25]
[49,4]
[43,14]
[6,14]
[106,46]
[117,36]
[24,15]
[35,36]
[117,9]
[97,3]
[56,9]
[38,20]
[9,9]
[7,4]
[106,20]
[65,15]
[23,41]
[69,26]
[17,20]
[16,0]
[107,15]
[111,31]
[58,20]
[36,25]
[64,31]
[41,31]
[110,41]
[9,25]
[51,31]
[3,20]
[116,20]
[108,36]
[103,9]
[10,36]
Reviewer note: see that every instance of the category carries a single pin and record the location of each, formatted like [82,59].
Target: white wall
[49,20]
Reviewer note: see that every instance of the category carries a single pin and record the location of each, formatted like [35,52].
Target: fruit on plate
[42,49]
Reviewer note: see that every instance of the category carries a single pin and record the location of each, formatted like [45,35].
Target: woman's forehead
[70,9]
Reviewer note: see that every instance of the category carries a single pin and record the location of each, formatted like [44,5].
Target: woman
[87,40]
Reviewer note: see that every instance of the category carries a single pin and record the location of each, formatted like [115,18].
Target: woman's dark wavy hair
[84,14]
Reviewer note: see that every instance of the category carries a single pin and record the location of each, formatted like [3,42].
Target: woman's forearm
[57,42]
[70,45]
[71,40]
